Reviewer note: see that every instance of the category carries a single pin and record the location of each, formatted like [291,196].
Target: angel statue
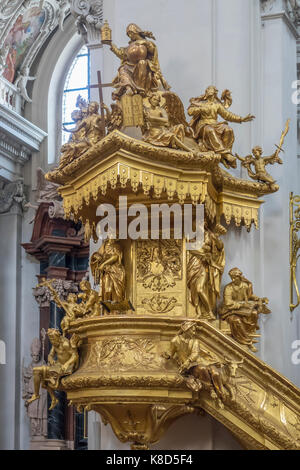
[258,163]
[63,360]
[139,72]
[70,306]
[208,132]
[108,271]
[113,116]
[165,126]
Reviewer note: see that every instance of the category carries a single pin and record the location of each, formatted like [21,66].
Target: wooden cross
[100,87]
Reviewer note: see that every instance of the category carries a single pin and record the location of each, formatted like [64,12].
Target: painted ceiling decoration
[24,27]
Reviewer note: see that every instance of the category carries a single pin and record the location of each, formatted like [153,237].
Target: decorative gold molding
[264,410]
[294,249]
[119,164]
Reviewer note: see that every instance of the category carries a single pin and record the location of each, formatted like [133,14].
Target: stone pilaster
[287,10]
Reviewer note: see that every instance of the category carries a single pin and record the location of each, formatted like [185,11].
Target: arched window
[77,83]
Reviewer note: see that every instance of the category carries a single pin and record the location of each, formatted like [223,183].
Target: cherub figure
[259,163]
[90,300]
[67,360]
[70,306]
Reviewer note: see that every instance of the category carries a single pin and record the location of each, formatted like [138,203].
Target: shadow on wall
[194,432]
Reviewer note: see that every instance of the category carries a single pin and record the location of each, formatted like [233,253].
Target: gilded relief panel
[160,277]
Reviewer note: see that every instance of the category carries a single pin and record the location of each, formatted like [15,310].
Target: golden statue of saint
[200,368]
[88,131]
[67,360]
[241,308]
[204,273]
[140,70]
[108,271]
[209,133]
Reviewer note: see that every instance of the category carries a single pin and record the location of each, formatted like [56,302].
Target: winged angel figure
[211,134]
[165,122]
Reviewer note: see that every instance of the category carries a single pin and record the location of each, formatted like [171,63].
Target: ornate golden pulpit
[154,341]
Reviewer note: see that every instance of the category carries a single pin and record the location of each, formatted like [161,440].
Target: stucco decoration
[89,18]
[12,195]
[290,7]
[43,295]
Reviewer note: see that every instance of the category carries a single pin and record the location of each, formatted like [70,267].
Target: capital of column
[289,10]
[89,19]
[43,296]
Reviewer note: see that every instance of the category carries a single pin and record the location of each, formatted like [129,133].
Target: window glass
[77,83]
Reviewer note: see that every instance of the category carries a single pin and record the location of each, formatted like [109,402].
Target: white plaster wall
[19,324]
[30,317]
[190,432]
[279,72]
[10,332]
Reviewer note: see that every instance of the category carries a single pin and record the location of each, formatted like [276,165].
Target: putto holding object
[259,163]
